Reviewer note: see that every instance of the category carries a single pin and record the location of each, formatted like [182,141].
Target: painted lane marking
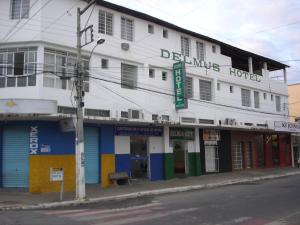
[145,218]
[105,211]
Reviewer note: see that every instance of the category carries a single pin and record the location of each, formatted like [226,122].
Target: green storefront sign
[179,85]
[182,133]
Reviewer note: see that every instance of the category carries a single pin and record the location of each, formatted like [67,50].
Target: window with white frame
[278,103]
[185,46]
[150,29]
[127,29]
[246,97]
[128,76]
[59,69]
[151,73]
[189,87]
[165,33]
[200,50]
[105,22]
[256,99]
[205,90]
[214,49]
[18,67]
[19,9]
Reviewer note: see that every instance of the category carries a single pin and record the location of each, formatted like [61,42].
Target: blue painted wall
[107,139]
[157,166]
[123,163]
[60,143]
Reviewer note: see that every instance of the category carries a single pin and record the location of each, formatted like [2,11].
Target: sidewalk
[13,198]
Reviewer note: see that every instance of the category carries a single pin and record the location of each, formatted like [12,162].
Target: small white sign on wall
[56,174]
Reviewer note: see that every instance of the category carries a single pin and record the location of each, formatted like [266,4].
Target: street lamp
[100,41]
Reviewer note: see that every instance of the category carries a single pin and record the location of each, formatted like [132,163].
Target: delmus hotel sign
[179,85]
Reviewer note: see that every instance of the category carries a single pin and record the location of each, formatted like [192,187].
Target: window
[164,75]
[246,98]
[151,73]
[265,96]
[105,22]
[185,46]
[165,33]
[231,89]
[19,9]
[126,29]
[18,67]
[272,98]
[154,117]
[104,63]
[150,29]
[278,103]
[214,49]
[200,50]
[189,87]
[256,99]
[205,90]
[128,76]
[218,86]
[59,68]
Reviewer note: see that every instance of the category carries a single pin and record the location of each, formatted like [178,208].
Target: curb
[146,193]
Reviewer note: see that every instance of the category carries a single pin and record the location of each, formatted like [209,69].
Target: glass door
[139,157]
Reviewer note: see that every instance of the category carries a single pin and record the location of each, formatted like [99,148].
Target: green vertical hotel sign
[179,87]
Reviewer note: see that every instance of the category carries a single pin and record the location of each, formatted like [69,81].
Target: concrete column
[250,65]
[284,75]
[265,66]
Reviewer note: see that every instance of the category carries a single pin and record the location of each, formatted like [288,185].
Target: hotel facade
[160,101]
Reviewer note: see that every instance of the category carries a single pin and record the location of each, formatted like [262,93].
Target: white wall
[54,26]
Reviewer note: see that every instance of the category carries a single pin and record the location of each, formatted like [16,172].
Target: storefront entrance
[211,156]
[139,157]
[180,157]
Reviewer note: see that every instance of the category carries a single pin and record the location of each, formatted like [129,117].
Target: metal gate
[15,156]
[237,156]
[211,157]
[91,153]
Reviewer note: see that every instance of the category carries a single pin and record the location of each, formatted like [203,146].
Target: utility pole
[79,151]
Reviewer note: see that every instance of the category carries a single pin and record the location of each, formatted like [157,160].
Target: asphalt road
[272,202]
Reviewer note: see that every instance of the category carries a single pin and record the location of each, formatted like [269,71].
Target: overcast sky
[267,27]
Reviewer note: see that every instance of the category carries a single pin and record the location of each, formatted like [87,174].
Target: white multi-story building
[131,123]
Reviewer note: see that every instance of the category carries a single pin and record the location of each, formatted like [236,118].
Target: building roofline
[298,83]
[144,16]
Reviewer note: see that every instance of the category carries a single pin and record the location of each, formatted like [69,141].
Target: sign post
[57,175]
[179,85]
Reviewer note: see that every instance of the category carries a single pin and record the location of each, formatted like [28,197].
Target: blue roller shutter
[15,156]
[91,152]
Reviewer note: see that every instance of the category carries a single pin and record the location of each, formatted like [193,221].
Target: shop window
[246,98]
[128,76]
[237,156]
[18,67]
[19,9]
[127,27]
[185,46]
[205,90]
[105,23]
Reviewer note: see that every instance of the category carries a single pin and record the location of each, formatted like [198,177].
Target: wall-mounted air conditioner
[67,125]
[125,46]
[230,122]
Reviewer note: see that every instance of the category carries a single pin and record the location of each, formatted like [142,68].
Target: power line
[19,28]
